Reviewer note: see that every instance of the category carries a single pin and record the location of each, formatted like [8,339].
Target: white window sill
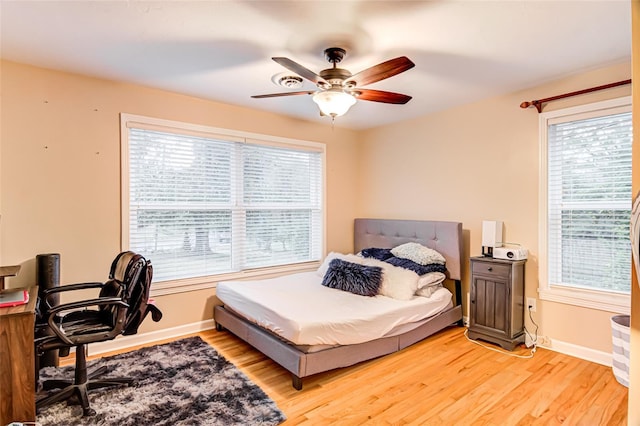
[610,302]
[199,283]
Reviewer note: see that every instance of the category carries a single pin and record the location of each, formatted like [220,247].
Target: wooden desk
[17,362]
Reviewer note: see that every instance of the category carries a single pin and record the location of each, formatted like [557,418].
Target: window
[201,201]
[586,205]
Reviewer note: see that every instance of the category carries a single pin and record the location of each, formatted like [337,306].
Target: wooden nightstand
[497,301]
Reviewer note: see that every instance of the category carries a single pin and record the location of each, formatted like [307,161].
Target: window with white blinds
[588,198]
[203,201]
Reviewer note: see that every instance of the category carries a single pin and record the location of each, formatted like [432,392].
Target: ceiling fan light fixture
[334,102]
[337,88]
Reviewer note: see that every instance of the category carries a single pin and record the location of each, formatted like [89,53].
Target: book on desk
[14,297]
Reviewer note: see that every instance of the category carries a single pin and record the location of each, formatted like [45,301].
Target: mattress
[300,309]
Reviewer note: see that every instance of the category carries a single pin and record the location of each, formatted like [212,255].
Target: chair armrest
[101,301]
[45,293]
[69,287]
[52,315]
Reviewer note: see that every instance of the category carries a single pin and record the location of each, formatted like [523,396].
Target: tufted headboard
[445,237]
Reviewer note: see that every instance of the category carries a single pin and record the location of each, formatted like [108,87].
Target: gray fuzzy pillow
[352,277]
[418,253]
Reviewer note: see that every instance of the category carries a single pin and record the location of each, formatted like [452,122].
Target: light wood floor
[444,380]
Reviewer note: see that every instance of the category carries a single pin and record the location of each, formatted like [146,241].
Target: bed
[254,322]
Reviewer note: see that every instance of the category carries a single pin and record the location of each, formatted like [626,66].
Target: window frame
[615,302]
[210,281]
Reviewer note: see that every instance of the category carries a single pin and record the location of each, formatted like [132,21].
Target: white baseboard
[123,342]
[581,352]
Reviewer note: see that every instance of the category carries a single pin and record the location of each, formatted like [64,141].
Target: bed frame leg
[219,327]
[296,382]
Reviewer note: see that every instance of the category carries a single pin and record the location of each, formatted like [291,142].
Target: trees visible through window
[587,195]
[201,202]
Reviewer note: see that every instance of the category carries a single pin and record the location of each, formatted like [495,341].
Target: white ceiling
[221,50]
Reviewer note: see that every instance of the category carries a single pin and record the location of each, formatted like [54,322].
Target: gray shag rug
[185,382]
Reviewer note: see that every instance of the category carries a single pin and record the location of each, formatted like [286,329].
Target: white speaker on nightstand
[491,236]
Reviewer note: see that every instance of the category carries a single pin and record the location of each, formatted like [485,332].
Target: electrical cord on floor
[533,348]
[533,340]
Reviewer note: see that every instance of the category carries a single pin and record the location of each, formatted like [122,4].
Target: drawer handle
[490,269]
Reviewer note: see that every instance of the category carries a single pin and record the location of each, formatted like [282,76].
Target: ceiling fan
[338,89]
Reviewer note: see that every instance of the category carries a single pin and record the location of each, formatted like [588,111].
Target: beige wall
[480,162]
[61,193]
[60,172]
[634,372]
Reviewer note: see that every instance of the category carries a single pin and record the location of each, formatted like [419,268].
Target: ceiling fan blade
[301,71]
[381,71]
[275,95]
[381,96]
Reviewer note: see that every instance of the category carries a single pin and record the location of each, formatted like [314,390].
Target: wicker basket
[620,334]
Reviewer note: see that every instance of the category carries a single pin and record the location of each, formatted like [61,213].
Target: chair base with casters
[78,387]
[121,306]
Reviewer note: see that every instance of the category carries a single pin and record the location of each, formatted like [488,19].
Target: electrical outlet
[531,303]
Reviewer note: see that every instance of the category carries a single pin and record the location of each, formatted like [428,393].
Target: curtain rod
[538,103]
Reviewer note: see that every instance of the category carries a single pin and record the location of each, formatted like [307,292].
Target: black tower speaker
[48,276]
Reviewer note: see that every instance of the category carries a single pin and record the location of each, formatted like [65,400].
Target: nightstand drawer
[490,268]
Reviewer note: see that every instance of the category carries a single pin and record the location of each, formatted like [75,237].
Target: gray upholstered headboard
[445,237]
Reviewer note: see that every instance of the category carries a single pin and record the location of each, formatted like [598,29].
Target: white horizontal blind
[201,206]
[589,202]
[281,198]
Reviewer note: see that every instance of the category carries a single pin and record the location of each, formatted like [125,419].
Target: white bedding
[300,309]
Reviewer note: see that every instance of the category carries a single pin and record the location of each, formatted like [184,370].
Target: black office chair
[120,307]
